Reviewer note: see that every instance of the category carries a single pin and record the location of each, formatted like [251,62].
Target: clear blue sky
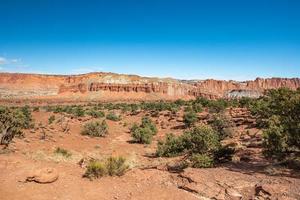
[188,39]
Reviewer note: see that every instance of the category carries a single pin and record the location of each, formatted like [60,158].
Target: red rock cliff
[109,86]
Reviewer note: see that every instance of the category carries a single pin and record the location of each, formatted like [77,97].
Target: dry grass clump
[112,166]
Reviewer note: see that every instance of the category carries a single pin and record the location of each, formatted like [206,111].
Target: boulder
[44,175]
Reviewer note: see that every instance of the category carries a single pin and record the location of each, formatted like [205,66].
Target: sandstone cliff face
[106,86]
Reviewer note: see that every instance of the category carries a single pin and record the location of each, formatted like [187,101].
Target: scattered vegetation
[278,112]
[95,129]
[144,132]
[113,117]
[201,161]
[51,119]
[12,121]
[172,146]
[96,114]
[112,166]
[221,123]
[189,119]
[199,145]
[63,152]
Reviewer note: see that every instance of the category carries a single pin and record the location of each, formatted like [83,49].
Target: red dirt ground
[147,177]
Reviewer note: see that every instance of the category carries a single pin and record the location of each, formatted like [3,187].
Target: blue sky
[187,39]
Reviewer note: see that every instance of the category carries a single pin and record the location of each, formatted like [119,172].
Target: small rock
[44,175]
[233,194]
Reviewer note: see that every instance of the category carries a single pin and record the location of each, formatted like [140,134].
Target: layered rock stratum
[109,86]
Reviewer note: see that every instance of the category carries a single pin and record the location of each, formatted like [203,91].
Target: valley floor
[147,178]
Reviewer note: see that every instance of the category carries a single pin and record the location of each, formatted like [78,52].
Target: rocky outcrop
[106,86]
[220,183]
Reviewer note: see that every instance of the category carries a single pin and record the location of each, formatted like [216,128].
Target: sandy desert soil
[249,177]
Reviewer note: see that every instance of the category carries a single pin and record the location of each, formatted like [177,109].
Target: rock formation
[109,86]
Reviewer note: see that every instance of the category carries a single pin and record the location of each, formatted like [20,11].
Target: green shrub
[172,146]
[143,133]
[202,142]
[62,152]
[11,123]
[112,166]
[179,102]
[78,111]
[203,101]
[221,123]
[95,129]
[51,119]
[197,107]
[217,106]
[113,117]
[190,118]
[96,114]
[134,127]
[147,123]
[202,139]
[278,112]
[27,117]
[245,102]
[201,161]
[275,139]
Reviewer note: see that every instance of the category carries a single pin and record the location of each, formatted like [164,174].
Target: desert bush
[202,139]
[217,106]
[201,142]
[221,124]
[11,123]
[147,123]
[203,101]
[190,118]
[197,107]
[134,109]
[26,118]
[113,117]
[95,169]
[134,127]
[63,152]
[144,132]
[116,166]
[112,166]
[179,102]
[188,108]
[275,138]
[95,129]
[51,119]
[172,146]
[158,106]
[245,102]
[201,161]
[142,135]
[279,114]
[96,114]
[78,111]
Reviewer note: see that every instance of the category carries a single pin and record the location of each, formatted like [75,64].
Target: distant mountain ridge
[100,86]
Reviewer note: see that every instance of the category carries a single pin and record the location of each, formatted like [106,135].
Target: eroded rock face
[106,86]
